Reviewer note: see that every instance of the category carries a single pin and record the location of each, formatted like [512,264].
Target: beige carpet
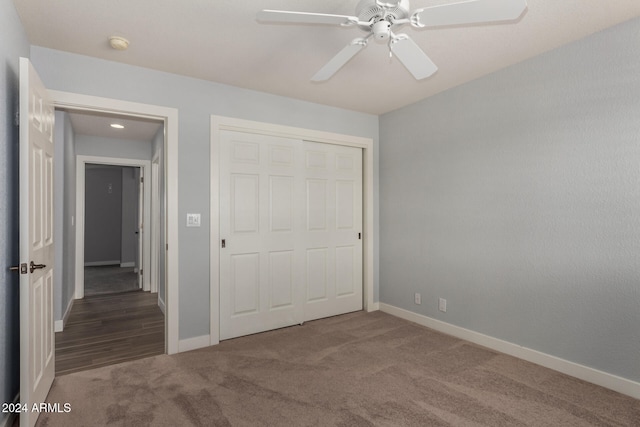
[354,370]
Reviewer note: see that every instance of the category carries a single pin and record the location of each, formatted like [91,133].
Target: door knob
[33,266]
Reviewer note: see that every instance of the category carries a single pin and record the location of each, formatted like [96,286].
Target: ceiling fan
[379,18]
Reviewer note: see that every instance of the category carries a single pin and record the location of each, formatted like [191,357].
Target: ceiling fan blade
[468,12]
[288,17]
[339,60]
[412,57]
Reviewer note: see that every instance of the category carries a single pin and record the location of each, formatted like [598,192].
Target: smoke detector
[118,43]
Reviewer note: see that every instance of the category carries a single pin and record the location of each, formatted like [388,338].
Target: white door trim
[145,167]
[144,221]
[155,224]
[219,123]
[170,117]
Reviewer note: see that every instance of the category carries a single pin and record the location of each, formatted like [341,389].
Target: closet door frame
[220,123]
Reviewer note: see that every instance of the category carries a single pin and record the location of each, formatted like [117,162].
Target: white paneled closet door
[259,265]
[290,218]
[333,226]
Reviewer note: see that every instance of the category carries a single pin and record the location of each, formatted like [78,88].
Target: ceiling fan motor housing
[367,10]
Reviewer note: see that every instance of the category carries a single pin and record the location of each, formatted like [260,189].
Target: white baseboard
[59,324]
[194,343]
[128,264]
[101,263]
[161,305]
[7,419]
[594,376]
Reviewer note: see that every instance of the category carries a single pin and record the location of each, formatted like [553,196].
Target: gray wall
[195,100]
[64,215]
[13,44]
[102,214]
[69,235]
[517,197]
[58,213]
[112,147]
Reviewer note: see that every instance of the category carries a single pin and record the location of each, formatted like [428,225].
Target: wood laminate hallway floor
[109,279]
[108,329]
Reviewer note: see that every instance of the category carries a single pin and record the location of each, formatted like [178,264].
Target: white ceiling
[221,41]
[99,124]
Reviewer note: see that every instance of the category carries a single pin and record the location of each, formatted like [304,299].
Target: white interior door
[259,264]
[333,230]
[290,219]
[37,345]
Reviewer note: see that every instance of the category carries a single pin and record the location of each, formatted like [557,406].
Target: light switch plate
[193,220]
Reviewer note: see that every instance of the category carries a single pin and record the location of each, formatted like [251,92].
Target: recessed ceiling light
[118,43]
[117,126]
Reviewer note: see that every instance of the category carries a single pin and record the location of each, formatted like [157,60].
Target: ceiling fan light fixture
[381,30]
[118,43]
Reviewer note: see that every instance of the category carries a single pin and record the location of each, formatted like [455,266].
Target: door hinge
[17,118]
[142,179]
[359,236]
[224,243]
[141,272]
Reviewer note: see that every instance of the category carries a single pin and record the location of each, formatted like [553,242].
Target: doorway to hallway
[114,205]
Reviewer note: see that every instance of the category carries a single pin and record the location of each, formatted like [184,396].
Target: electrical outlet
[417,298]
[442,305]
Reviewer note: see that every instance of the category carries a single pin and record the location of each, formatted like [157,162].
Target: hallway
[108,329]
